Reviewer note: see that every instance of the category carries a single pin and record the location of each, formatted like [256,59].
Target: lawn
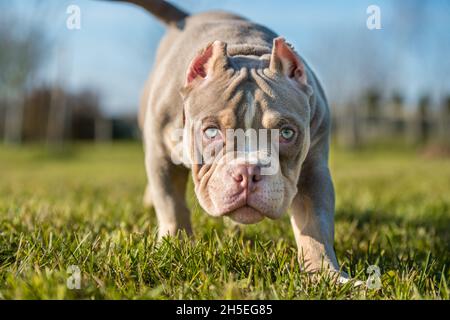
[82,207]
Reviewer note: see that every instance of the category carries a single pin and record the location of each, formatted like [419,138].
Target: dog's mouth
[245,215]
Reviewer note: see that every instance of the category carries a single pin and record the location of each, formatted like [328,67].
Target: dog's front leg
[167,190]
[312,218]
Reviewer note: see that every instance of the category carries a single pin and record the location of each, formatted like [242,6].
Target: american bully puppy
[216,73]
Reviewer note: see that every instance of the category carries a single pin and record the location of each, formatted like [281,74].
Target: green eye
[211,132]
[287,133]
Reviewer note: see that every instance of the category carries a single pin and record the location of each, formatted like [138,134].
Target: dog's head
[247,130]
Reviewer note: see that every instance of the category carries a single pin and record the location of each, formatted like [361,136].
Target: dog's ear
[210,59]
[286,61]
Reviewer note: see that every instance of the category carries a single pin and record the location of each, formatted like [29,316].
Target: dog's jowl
[223,80]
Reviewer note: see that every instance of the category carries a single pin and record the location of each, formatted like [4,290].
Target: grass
[83,207]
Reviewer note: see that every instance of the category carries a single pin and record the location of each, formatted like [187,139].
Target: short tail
[163,10]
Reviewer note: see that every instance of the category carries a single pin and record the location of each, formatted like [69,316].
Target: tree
[22,51]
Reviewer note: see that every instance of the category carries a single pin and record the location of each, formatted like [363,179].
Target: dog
[215,72]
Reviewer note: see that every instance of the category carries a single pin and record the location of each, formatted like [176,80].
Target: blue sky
[114,50]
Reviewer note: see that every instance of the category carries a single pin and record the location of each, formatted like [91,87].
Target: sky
[113,52]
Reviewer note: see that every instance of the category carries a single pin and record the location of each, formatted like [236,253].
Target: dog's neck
[247,50]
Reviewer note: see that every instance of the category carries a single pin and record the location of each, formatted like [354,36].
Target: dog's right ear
[286,61]
[209,60]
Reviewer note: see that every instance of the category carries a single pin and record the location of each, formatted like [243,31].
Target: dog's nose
[247,175]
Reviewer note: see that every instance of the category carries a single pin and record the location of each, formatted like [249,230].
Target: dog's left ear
[286,61]
[211,59]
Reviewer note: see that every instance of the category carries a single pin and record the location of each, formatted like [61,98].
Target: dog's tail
[167,13]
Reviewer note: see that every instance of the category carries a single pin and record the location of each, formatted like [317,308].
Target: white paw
[345,279]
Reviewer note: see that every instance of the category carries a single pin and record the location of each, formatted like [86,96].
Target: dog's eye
[211,132]
[287,133]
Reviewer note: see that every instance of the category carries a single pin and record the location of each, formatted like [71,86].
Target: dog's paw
[344,279]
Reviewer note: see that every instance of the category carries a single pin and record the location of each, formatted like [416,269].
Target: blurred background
[389,86]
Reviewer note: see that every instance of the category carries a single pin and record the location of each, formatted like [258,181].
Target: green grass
[83,207]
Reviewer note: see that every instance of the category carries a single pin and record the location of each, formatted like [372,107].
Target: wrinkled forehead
[249,97]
